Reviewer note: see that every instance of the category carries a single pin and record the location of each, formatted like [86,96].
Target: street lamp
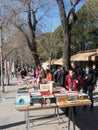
[1,58]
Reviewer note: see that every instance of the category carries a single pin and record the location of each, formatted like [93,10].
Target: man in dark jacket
[95,74]
[88,84]
[63,73]
[57,76]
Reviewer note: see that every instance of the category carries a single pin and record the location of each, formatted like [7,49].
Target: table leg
[71,114]
[28,120]
[69,118]
[73,118]
[55,111]
[58,115]
[25,117]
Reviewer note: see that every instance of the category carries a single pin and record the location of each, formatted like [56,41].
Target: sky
[51,20]
[54,21]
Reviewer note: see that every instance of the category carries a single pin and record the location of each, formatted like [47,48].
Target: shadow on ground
[11,125]
[86,119]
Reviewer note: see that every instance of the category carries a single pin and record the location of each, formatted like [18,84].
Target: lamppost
[1,59]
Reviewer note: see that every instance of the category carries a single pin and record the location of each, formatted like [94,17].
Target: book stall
[30,97]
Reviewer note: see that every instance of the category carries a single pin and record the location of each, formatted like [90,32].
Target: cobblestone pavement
[11,119]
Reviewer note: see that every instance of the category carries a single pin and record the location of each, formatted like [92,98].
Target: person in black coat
[95,74]
[63,74]
[23,73]
[88,84]
[57,76]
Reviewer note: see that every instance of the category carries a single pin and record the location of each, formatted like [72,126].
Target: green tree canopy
[85,31]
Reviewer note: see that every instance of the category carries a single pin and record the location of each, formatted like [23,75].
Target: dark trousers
[90,94]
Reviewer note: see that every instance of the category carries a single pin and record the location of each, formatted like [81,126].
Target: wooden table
[28,108]
[70,104]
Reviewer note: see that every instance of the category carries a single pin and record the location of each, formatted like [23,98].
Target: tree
[51,45]
[85,31]
[33,24]
[67,25]
[25,16]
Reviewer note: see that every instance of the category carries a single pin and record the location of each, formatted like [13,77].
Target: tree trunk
[66,51]
[66,33]
[67,25]
[33,49]
[32,25]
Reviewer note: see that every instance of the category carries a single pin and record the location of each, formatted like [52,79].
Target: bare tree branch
[72,8]
[13,50]
[43,14]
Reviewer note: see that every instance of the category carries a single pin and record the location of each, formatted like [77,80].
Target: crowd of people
[75,79]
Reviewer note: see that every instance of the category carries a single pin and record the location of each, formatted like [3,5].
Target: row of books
[39,98]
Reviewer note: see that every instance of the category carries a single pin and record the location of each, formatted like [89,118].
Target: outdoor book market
[30,96]
[49,64]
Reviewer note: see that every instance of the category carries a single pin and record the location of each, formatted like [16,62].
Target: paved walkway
[11,119]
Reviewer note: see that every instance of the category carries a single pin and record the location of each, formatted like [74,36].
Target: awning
[81,56]
[84,56]
[59,61]
[94,57]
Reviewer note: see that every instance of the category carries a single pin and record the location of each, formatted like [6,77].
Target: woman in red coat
[73,81]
